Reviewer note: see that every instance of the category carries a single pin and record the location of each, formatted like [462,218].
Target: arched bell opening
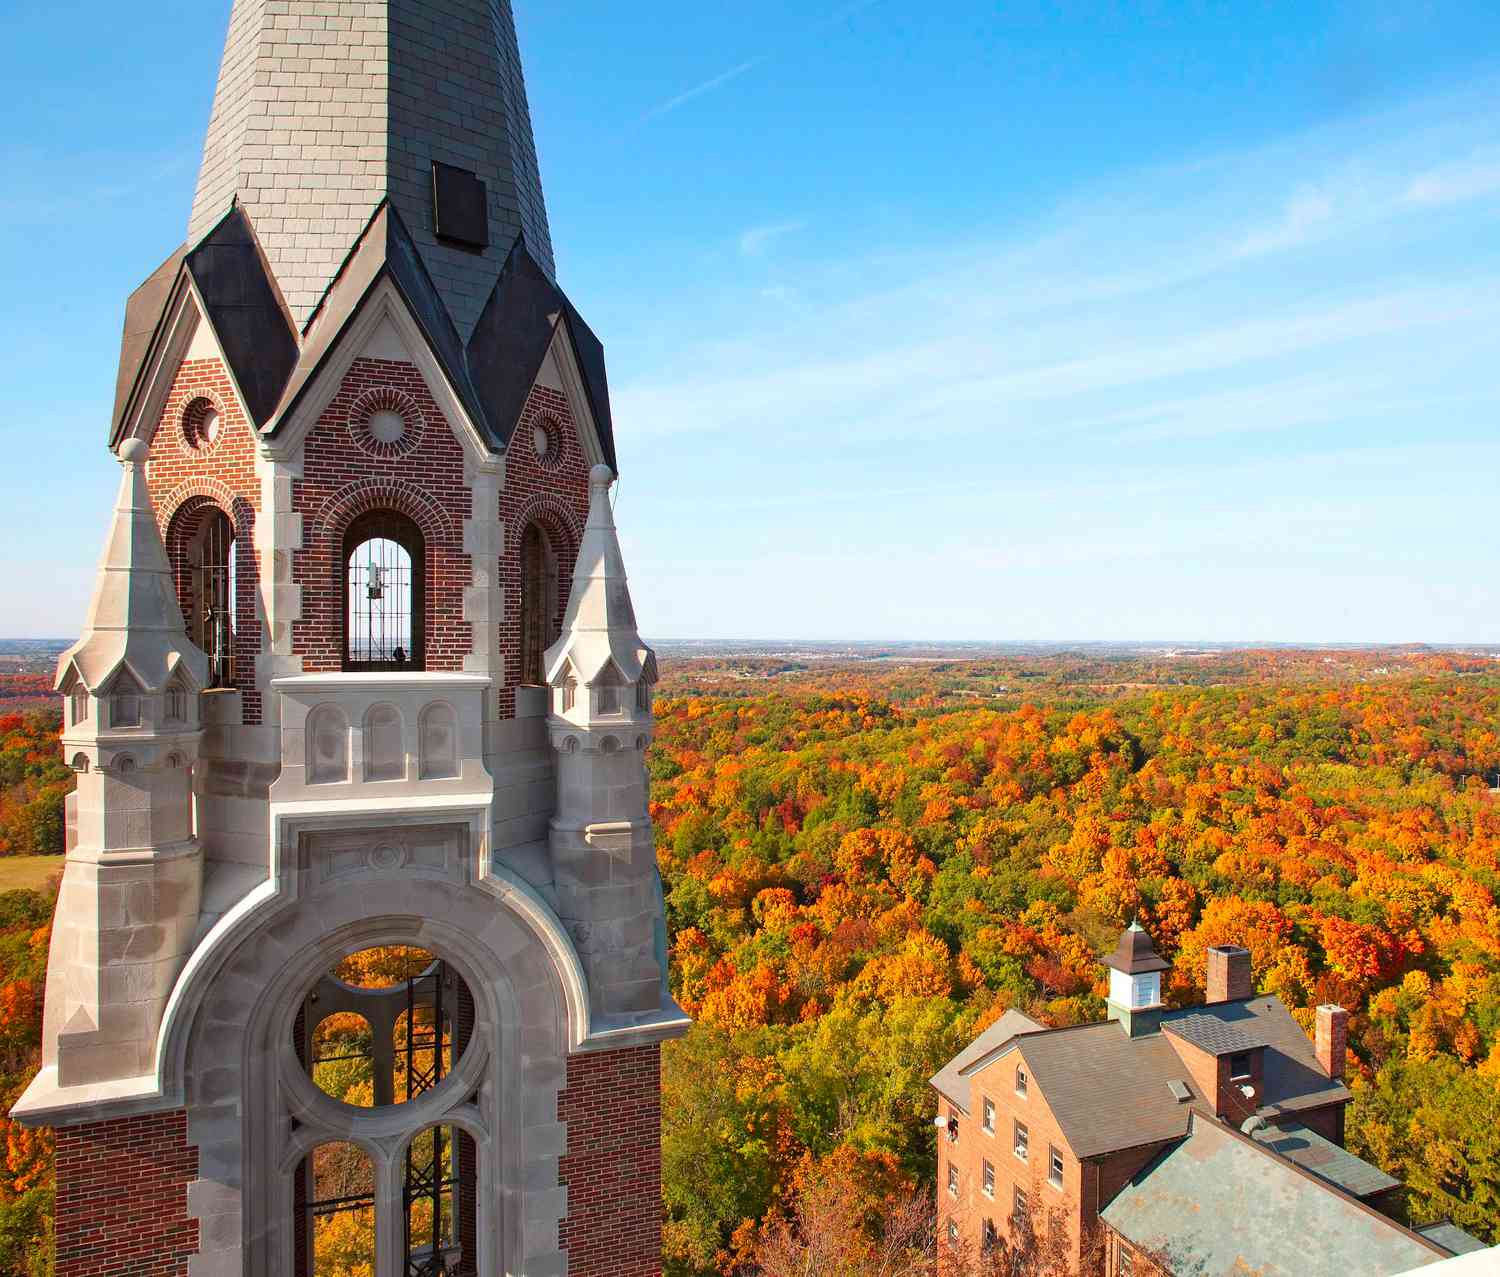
[334,1202]
[540,602]
[385,593]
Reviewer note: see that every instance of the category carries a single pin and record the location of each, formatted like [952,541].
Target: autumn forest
[867,862]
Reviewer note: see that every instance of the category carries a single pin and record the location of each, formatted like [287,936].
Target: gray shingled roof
[952,1080]
[1106,1089]
[1293,1080]
[1214,1035]
[1325,1159]
[492,375]
[1219,1205]
[1452,1238]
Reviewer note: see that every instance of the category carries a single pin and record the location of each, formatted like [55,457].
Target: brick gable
[183,479]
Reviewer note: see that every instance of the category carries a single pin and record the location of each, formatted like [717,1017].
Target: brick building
[360,710]
[1179,1141]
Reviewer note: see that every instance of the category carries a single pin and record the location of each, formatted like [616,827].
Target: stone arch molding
[229,1043]
[214,491]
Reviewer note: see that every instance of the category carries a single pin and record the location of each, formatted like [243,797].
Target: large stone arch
[232,1036]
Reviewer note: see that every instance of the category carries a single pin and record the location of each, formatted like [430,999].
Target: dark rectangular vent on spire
[460,207]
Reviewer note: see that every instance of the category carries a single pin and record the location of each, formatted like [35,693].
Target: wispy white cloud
[698,90]
[1473,178]
[754,242]
[841,14]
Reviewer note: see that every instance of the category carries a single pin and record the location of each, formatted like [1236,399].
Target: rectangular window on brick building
[1018,1203]
[953,1230]
[1020,1081]
[989,1116]
[1127,1262]
[953,1179]
[1239,1066]
[987,1236]
[989,1180]
[1023,1141]
[1054,1167]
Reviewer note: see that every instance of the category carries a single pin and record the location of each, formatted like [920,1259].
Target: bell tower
[360,952]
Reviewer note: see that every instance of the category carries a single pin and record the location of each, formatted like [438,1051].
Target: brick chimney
[1332,1040]
[1228,976]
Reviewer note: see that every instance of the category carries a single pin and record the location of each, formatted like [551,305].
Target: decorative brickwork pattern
[551,491]
[122,1198]
[341,481]
[183,480]
[612,1168]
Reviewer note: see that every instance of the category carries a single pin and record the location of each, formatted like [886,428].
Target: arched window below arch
[539,601]
[212,563]
[335,1206]
[385,593]
[125,702]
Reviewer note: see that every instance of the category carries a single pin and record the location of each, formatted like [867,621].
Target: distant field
[18,872]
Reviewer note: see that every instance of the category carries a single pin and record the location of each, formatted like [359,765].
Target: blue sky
[955,320]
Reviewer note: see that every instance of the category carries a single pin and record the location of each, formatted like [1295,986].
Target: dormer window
[177,702]
[643,696]
[80,704]
[567,694]
[607,691]
[125,703]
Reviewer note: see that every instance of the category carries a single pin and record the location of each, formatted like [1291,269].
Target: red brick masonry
[122,1198]
[612,1169]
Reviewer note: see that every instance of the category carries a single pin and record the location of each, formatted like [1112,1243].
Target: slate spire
[326,107]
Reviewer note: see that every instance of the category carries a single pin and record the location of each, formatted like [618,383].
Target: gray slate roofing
[1325,1159]
[1452,1238]
[1219,1205]
[1110,1091]
[1215,1035]
[952,1080]
[492,375]
[1293,1080]
[1106,1089]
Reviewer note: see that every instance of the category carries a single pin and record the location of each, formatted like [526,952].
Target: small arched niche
[327,746]
[385,745]
[438,737]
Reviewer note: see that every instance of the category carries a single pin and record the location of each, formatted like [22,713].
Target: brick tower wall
[122,1198]
[612,1168]
[551,491]
[344,477]
[185,473]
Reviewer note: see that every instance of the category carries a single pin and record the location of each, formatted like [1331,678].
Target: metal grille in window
[384,594]
[214,562]
[431,1197]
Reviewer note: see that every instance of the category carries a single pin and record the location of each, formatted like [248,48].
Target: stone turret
[129,900]
[601,678]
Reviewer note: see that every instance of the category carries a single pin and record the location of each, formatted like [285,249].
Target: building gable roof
[952,1080]
[491,376]
[1107,1090]
[512,337]
[1218,1204]
[143,317]
[246,312]
[1293,1081]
